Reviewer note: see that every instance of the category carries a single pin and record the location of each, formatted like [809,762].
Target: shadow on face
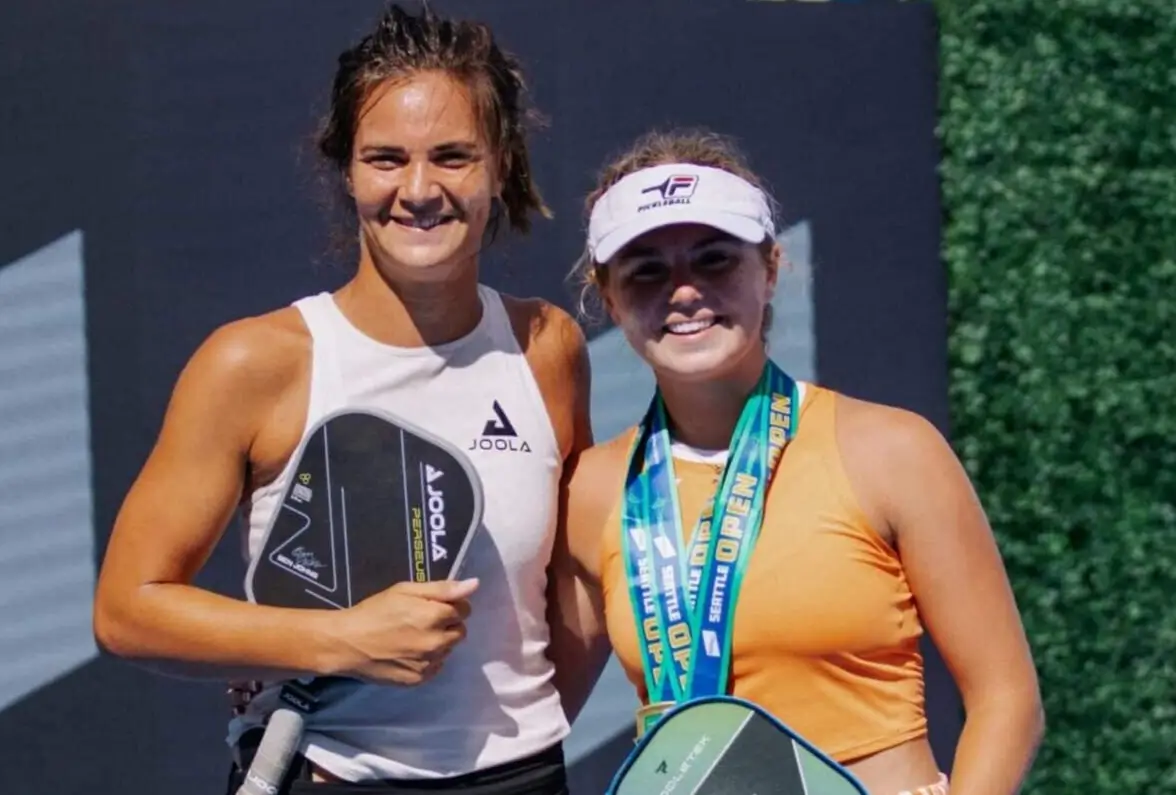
[691,299]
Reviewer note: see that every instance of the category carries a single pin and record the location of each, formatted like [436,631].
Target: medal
[649,715]
[686,649]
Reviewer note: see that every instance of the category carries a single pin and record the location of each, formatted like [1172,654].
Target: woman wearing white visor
[857,526]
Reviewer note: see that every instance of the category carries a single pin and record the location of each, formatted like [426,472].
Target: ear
[773,261]
[348,185]
[610,306]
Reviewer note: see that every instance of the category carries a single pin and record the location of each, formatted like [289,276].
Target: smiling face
[691,300]
[422,177]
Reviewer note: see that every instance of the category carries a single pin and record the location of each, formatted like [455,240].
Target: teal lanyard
[685,640]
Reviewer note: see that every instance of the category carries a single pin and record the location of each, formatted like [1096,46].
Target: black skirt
[543,773]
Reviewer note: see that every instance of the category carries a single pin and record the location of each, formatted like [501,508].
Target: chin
[699,361]
[424,261]
[427,260]
[699,366]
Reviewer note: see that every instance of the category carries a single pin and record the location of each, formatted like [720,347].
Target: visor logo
[676,189]
[679,186]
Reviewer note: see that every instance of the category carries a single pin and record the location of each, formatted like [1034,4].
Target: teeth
[690,326]
[422,223]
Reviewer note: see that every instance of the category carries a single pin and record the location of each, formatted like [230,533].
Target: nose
[419,194]
[684,290]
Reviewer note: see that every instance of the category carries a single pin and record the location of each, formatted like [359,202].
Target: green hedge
[1059,134]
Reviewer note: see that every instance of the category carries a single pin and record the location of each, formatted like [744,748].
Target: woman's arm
[960,586]
[146,608]
[558,355]
[579,637]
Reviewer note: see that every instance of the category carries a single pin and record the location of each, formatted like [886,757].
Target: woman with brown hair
[427,134]
[769,539]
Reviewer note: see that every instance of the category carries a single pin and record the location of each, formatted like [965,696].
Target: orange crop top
[826,633]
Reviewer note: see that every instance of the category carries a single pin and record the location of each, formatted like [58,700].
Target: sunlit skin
[424,182]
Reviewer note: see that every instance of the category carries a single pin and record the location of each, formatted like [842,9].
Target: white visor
[677,193]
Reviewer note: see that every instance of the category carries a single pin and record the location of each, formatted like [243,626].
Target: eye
[453,159]
[646,272]
[385,160]
[716,259]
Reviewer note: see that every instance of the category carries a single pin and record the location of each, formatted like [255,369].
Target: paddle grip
[283,735]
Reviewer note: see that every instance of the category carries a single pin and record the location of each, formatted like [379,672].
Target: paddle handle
[283,735]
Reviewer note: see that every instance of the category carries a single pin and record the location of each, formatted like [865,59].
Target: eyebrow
[717,237]
[442,148]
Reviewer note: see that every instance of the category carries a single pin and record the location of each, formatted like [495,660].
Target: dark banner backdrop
[155,164]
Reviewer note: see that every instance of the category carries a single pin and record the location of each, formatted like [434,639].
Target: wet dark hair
[403,45]
[698,146]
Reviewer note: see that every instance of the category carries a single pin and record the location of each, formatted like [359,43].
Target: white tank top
[493,701]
